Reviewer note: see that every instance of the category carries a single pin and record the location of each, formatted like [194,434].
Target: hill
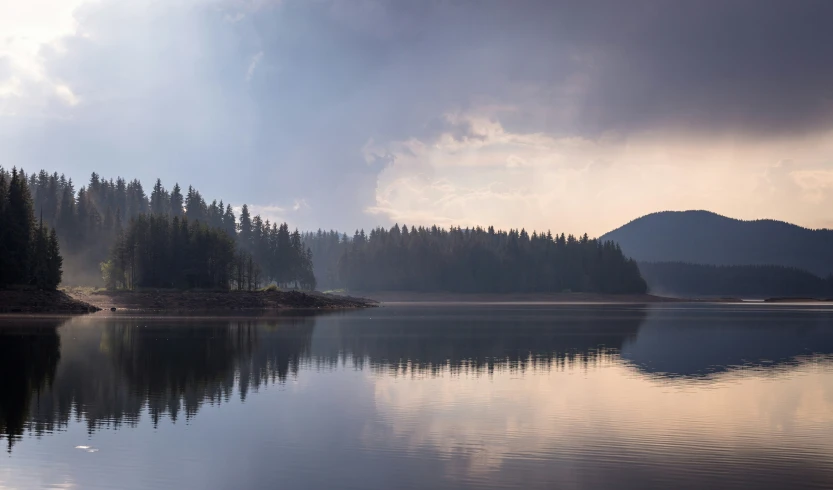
[703,237]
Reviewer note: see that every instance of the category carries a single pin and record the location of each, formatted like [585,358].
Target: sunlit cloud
[579,185]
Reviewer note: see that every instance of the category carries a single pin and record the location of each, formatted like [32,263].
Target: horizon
[267,214]
[339,115]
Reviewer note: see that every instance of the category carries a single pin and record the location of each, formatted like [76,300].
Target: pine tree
[20,223]
[4,229]
[230,222]
[40,258]
[245,236]
[66,215]
[54,262]
[195,207]
[159,200]
[176,201]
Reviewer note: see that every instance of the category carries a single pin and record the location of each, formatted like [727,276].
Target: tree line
[115,230]
[485,260]
[29,251]
[112,229]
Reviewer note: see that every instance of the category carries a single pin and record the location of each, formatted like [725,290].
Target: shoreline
[566,298]
[87,300]
[77,300]
[34,301]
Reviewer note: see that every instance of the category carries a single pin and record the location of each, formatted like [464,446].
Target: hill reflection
[702,342]
[110,371]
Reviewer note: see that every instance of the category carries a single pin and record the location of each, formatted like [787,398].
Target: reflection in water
[111,371]
[29,353]
[699,342]
[441,397]
[471,339]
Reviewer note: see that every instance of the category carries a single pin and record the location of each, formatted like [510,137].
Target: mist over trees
[29,251]
[115,230]
[116,233]
[485,260]
[327,247]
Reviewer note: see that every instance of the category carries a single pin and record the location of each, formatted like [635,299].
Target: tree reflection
[29,354]
[111,373]
[115,370]
[474,340]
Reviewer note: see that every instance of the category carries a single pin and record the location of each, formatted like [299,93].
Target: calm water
[500,396]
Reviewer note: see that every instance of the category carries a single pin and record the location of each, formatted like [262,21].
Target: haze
[570,116]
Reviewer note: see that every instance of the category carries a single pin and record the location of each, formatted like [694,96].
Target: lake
[423,396]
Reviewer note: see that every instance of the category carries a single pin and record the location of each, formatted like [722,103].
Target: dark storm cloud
[273,101]
[752,66]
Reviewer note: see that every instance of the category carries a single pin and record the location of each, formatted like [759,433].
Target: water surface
[430,396]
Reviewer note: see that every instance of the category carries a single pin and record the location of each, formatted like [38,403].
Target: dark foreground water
[500,396]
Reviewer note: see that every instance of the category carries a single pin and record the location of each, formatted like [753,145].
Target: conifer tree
[176,201]
[159,199]
[54,263]
[40,258]
[4,228]
[229,221]
[245,228]
[66,214]
[20,224]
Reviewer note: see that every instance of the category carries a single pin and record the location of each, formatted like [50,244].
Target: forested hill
[703,237]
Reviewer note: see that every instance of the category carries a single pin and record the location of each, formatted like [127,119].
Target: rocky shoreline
[37,301]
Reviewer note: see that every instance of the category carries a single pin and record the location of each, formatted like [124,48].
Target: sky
[544,114]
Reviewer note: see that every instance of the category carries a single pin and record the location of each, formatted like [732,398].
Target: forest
[479,260]
[29,251]
[757,281]
[113,233]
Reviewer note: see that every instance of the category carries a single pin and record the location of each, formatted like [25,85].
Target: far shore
[563,298]
[448,297]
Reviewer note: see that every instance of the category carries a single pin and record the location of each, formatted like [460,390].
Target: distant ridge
[703,237]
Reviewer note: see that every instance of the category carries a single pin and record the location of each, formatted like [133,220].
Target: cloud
[578,185]
[65,94]
[253,65]
[548,98]
[815,184]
